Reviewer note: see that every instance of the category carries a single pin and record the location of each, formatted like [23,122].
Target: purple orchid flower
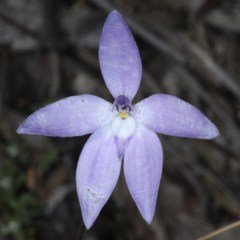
[120,130]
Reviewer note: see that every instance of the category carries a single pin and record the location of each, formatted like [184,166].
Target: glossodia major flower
[120,130]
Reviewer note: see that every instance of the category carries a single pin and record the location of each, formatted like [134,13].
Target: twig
[220,231]
[66,47]
[207,62]
[52,25]
[44,41]
[19,26]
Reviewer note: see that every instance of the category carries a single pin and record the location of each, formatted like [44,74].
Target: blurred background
[49,50]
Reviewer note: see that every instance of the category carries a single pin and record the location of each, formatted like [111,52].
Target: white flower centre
[123,128]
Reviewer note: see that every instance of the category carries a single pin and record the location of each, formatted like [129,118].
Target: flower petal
[123,128]
[119,57]
[142,168]
[172,116]
[72,116]
[97,173]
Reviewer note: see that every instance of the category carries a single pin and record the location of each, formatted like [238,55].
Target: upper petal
[97,173]
[172,116]
[71,116]
[143,169]
[119,57]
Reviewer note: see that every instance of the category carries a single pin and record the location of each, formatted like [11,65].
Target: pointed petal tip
[210,130]
[213,132]
[114,12]
[148,217]
[88,222]
[217,133]
[26,128]
[88,226]
[21,129]
[89,210]
[89,213]
[148,213]
[114,15]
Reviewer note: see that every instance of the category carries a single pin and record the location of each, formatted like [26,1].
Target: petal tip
[114,18]
[148,216]
[149,219]
[21,129]
[213,132]
[90,212]
[25,128]
[88,222]
[89,215]
[114,14]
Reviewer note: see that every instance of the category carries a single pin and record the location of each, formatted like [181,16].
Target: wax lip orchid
[120,130]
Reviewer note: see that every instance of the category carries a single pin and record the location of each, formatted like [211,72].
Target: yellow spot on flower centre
[123,115]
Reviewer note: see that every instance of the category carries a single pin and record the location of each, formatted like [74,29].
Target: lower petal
[97,173]
[143,168]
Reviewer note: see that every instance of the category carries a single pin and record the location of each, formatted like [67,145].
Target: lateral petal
[97,173]
[143,168]
[71,116]
[172,116]
[119,57]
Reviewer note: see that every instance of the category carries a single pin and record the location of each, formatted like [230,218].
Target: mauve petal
[119,57]
[172,116]
[71,116]
[143,168]
[97,173]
